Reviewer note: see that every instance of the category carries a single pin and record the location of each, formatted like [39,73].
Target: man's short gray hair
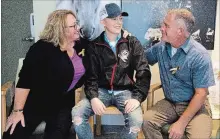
[186,16]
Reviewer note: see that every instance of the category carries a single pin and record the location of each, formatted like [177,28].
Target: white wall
[215,54]
[42,8]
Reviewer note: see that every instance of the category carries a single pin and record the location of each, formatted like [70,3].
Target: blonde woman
[52,70]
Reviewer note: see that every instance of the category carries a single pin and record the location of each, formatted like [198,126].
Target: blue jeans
[83,110]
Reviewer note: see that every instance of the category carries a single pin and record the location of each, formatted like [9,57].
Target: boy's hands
[131,104]
[97,106]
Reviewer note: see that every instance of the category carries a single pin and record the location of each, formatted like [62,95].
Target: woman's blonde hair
[54,30]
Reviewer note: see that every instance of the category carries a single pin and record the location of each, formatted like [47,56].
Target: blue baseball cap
[111,10]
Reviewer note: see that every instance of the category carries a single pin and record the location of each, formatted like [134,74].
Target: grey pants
[164,112]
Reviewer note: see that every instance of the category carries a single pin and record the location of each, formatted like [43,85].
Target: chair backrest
[20,64]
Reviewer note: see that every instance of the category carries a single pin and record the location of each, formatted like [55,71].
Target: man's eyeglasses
[75,26]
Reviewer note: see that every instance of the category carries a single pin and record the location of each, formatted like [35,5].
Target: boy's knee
[77,120]
[134,129]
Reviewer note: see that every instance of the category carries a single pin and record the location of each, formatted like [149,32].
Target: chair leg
[140,135]
[98,125]
[3,113]
[91,123]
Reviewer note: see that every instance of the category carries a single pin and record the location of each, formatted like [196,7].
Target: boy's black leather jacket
[115,71]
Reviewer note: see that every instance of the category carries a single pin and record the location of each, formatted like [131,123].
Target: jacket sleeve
[143,74]
[30,66]
[91,83]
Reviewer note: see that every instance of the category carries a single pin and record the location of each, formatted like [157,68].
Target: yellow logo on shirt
[82,52]
[174,70]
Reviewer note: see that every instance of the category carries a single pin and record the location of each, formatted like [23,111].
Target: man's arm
[151,53]
[194,106]
[203,77]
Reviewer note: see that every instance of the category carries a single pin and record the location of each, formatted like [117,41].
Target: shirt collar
[185,46]
[107,40]
[168,48]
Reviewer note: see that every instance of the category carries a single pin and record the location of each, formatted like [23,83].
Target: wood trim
[155,87]
[112,110]
[98,125]
[4,90]
[5,87]
[150,97]
[3,112]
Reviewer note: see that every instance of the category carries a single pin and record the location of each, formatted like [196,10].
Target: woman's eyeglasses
[75,26]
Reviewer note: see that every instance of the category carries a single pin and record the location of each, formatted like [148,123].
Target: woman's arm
[17,112]
[20,98]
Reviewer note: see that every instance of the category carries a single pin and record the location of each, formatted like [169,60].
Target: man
[113,60]
[186,73]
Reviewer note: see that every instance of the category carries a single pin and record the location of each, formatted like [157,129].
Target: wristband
[17,110]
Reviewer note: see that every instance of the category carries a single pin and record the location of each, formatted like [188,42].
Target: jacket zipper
[113,76]
[114,67]
[130,79]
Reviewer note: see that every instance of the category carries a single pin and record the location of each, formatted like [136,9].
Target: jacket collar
[101,40]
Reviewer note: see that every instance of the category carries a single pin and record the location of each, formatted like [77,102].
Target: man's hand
[176,130]
[97,106]
[126,33]
[13,119]
[131,104]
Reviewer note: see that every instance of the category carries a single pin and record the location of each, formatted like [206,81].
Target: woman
[53,68]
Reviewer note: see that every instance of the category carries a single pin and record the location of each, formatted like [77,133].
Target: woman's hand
[13,119]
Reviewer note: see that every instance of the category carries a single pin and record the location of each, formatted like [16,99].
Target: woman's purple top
[78,68]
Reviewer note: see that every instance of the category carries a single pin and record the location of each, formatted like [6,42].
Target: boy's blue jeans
[83,110]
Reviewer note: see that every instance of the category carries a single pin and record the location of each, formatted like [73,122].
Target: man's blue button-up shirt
[189,68]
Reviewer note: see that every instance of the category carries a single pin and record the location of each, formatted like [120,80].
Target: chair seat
[112,110]
[40,128]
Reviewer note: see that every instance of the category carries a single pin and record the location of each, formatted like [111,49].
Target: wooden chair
[114,111]
[7,95]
